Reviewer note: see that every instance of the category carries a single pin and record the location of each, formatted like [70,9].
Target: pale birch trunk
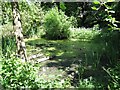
[17,26]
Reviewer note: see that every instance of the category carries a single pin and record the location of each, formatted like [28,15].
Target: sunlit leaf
[106,9]
[112,11]
[94,8]
[96,2]
[115,25]
[110,0]
[62,6]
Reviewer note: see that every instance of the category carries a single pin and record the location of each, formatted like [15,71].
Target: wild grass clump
[8,42]
[114,73]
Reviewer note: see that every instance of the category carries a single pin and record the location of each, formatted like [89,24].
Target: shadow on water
[75,55]
[67,52]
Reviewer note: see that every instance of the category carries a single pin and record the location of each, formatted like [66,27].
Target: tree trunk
[21,49]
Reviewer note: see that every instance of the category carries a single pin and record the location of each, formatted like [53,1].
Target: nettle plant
[16,74]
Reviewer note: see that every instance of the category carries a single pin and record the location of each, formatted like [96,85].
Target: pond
[78,58]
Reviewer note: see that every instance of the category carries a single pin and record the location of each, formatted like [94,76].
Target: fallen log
[35,56]
[43,59]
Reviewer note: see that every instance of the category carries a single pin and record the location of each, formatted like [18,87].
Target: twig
[109,74]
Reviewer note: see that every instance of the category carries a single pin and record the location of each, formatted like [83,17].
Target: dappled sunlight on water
[72,56]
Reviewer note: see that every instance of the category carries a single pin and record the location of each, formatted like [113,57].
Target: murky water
[68,56]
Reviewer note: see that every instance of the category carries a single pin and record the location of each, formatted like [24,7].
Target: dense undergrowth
[17,75]
[24,74]
[96,51]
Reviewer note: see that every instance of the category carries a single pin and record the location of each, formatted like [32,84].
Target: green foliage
[106,13]
[56,83]
[8,45]
[87,83]
[56,24]
[84,33]
[32,19]
[73,21]
[16,74]
[6,12]
[115,75]
[8,40]
[62,6]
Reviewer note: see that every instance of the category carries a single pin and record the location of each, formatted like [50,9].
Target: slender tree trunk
[17,26]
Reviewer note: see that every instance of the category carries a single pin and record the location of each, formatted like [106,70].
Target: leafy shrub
[56,24]
[8,40]
[8,45]
[83,33]
[16,74]
[32,19]
[73,21]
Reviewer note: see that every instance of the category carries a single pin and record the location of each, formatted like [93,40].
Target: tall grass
[107,56]
[83,33]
